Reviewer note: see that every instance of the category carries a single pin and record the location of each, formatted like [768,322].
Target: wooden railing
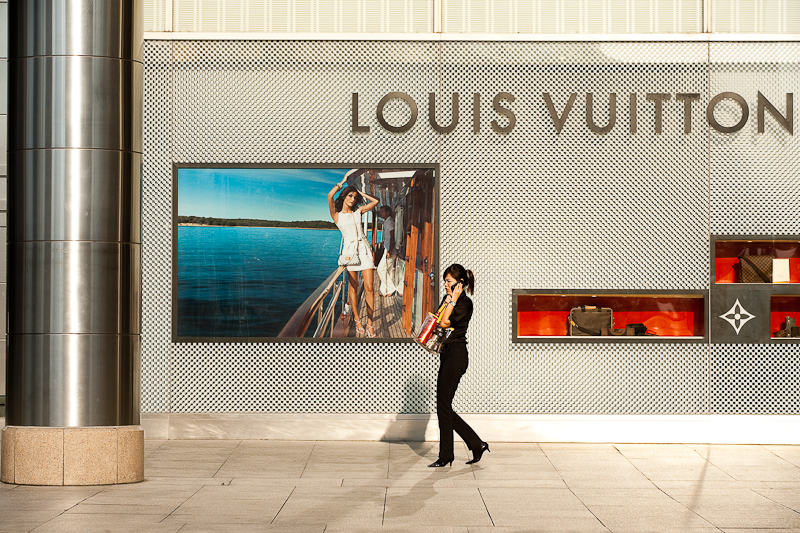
[301,319]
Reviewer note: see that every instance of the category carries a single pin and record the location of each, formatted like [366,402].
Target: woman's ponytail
[470,282]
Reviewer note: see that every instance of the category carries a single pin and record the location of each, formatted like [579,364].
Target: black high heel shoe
[440,463]
[477,453]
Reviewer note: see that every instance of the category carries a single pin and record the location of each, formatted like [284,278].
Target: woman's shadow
[410,425]
[410,428]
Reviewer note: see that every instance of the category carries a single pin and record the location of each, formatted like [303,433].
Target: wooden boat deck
[387,317]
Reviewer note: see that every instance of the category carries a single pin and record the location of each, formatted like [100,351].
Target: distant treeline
[250,222]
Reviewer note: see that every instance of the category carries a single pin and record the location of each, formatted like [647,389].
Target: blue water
[247,282]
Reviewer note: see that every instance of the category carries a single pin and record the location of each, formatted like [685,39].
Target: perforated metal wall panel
[755,179]
[755,190]
[157,228]
[526,209]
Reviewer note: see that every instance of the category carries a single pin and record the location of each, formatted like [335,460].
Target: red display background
[726,257]
[666,316]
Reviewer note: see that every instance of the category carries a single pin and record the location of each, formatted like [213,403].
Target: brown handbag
[756,268]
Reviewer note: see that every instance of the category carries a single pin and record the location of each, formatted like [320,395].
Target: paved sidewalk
[329,487]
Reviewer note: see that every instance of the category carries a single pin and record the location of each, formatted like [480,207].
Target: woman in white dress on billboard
[346,212]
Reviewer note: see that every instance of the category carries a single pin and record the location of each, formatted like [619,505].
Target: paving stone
[316,487]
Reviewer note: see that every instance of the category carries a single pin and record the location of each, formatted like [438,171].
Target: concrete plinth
[72,456]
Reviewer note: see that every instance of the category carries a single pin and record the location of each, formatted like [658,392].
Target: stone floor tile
[522,471]
[161,472]
[763,473]
[242,492]
[54,505]
[151,445]
[579,447]
[431,506]
[184,481]
[747,530]
[262,511]
[680,486]
[530,499]
[25,520]
[398,529]
[549,527]
[655,524]
[342,472]
[744,520]
[130,508]
[503,453]
[262,486]
[723,499]
[554,524]
[293,473]
[787,497]
[523,483]
[226,527]
[150,493]
[233,521]
[687,472]
[256,482]
[33,492]
[410,483]
[664,528]
[361,506]
[106,524]
[619,493]
[613,484]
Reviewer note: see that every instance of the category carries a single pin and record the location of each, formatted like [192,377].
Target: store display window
[751,260]
[579,316]
[784,317]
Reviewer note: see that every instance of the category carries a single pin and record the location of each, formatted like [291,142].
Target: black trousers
[453,365]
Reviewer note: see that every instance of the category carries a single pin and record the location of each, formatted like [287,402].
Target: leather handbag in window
[588,320]
[756,268]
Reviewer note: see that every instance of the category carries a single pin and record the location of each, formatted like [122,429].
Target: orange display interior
[726,257]
[665,316]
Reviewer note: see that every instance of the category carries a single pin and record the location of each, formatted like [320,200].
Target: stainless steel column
[74,272]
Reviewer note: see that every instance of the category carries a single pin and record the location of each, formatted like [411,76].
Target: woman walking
[453,365]
[346,212]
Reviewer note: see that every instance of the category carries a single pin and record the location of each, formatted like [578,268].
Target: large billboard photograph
[302,253]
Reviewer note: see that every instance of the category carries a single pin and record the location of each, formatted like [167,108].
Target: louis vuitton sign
[504,119]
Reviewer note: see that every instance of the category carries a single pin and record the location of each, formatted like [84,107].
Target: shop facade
[629,173]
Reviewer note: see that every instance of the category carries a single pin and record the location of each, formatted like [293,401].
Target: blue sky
[286,194]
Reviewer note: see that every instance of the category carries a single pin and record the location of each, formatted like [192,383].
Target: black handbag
[590,321]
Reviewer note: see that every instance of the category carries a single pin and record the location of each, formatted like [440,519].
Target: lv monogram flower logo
[737,316]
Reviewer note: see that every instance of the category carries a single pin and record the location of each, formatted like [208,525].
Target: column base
[105,455]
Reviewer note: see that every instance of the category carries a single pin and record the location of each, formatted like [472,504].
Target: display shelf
[542,315]
[726,251]
[782,306]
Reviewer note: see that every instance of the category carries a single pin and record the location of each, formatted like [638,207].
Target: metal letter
[712,119]
[476,113]
[512,119]
[687,99]
[432,114]
[559,121]
[411,104]
[612,113]
[632,105]
[355,128]
[658,98]
[787,122]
